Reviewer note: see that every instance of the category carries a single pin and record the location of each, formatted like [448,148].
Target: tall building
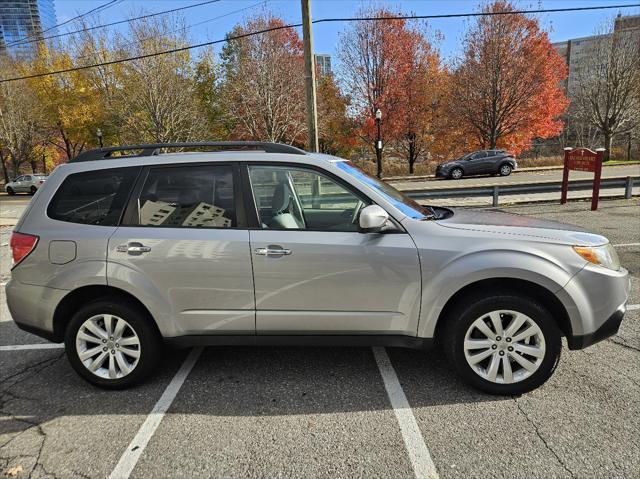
[323,61]
[22,21]
[577,52]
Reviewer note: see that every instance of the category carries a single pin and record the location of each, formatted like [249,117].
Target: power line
[192,25]
[296,25]
[21,41]
[95,27]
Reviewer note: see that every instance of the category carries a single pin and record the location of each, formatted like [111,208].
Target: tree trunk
[412,153]
[5,173]
[608,137]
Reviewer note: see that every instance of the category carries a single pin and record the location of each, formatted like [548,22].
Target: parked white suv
[117,255]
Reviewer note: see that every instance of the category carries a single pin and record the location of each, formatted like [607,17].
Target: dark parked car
[485,162]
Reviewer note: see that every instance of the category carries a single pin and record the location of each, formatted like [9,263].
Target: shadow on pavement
[40,385]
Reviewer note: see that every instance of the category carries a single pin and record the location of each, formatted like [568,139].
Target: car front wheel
[456,173]
[502,344]
[10,191]
[505,170]
[33,190]
[111,344]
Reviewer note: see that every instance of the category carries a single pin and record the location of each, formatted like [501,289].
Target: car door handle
[273,251]
[133,248]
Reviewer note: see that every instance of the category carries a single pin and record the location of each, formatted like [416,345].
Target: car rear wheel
[33,190]
[505,170]
[10,191]
[456,173]
[502,344]
[111,344]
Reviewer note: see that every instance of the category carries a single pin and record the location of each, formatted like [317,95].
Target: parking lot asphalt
[325,412]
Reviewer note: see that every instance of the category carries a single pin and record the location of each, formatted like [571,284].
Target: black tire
[505,169]
[150,342]
[452,336]
[456,174]
[33,190]
[10,191]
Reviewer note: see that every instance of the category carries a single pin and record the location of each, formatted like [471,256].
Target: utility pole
[310,75]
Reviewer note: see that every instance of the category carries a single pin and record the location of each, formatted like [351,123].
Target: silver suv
[266,244]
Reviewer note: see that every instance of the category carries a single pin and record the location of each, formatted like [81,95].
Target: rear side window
[188,197]
[93,197]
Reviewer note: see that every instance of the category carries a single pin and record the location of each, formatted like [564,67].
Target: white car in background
[25,184]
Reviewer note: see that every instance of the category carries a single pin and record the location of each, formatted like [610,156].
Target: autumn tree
[335,127]
[69,108]
[506,89]
[421,89]
[373,61]
[264,82]
[608,88]
[391,65]
[157,94]
[18,122]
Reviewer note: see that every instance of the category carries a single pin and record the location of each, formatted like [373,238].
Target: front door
[181,234]
[314,272]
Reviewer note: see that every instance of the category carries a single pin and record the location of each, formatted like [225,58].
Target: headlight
[604,255]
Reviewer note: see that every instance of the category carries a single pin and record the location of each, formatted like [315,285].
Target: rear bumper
[608,329]
[32,307]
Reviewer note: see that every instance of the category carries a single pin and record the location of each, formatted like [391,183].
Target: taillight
[21,245]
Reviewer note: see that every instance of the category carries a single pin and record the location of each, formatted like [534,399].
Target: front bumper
[595,300]
[608,329]
[440,173]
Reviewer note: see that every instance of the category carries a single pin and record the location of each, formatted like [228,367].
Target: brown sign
[582,159]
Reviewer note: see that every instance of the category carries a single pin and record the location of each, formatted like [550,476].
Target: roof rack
[152,149]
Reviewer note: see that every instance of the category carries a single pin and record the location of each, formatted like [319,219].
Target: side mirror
[372,219]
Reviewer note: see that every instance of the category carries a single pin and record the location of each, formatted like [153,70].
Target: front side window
[93,197]
[300,198]
[399,200]
[188,197]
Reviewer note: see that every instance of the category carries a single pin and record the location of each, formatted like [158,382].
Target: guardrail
[496,190]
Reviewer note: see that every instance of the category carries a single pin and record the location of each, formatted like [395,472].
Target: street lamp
[378,143]
[99,134]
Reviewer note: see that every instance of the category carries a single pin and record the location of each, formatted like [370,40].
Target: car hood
[450,163]
[518,226]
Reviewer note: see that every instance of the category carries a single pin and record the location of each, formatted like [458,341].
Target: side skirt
[411,342]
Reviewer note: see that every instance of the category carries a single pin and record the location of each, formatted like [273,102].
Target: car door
[18,184]
[475,163]
[184,236]
[314,272]
[487,164]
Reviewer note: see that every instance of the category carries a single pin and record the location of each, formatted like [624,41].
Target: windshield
[402,202]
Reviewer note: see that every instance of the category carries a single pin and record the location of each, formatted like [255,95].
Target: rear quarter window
[93,197]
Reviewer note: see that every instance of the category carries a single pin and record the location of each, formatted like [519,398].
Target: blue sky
[562,26]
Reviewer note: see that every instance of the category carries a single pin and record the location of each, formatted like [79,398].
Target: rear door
[487,165]
[314,272]
[185,237]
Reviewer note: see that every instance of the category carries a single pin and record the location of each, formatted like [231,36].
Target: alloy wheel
[108,346]
[505,170]
[504,346]
[456,174]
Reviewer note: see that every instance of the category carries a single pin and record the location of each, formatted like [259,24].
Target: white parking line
[135,449]
[633,307]
[624,245]
[423,465]
[23,347]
